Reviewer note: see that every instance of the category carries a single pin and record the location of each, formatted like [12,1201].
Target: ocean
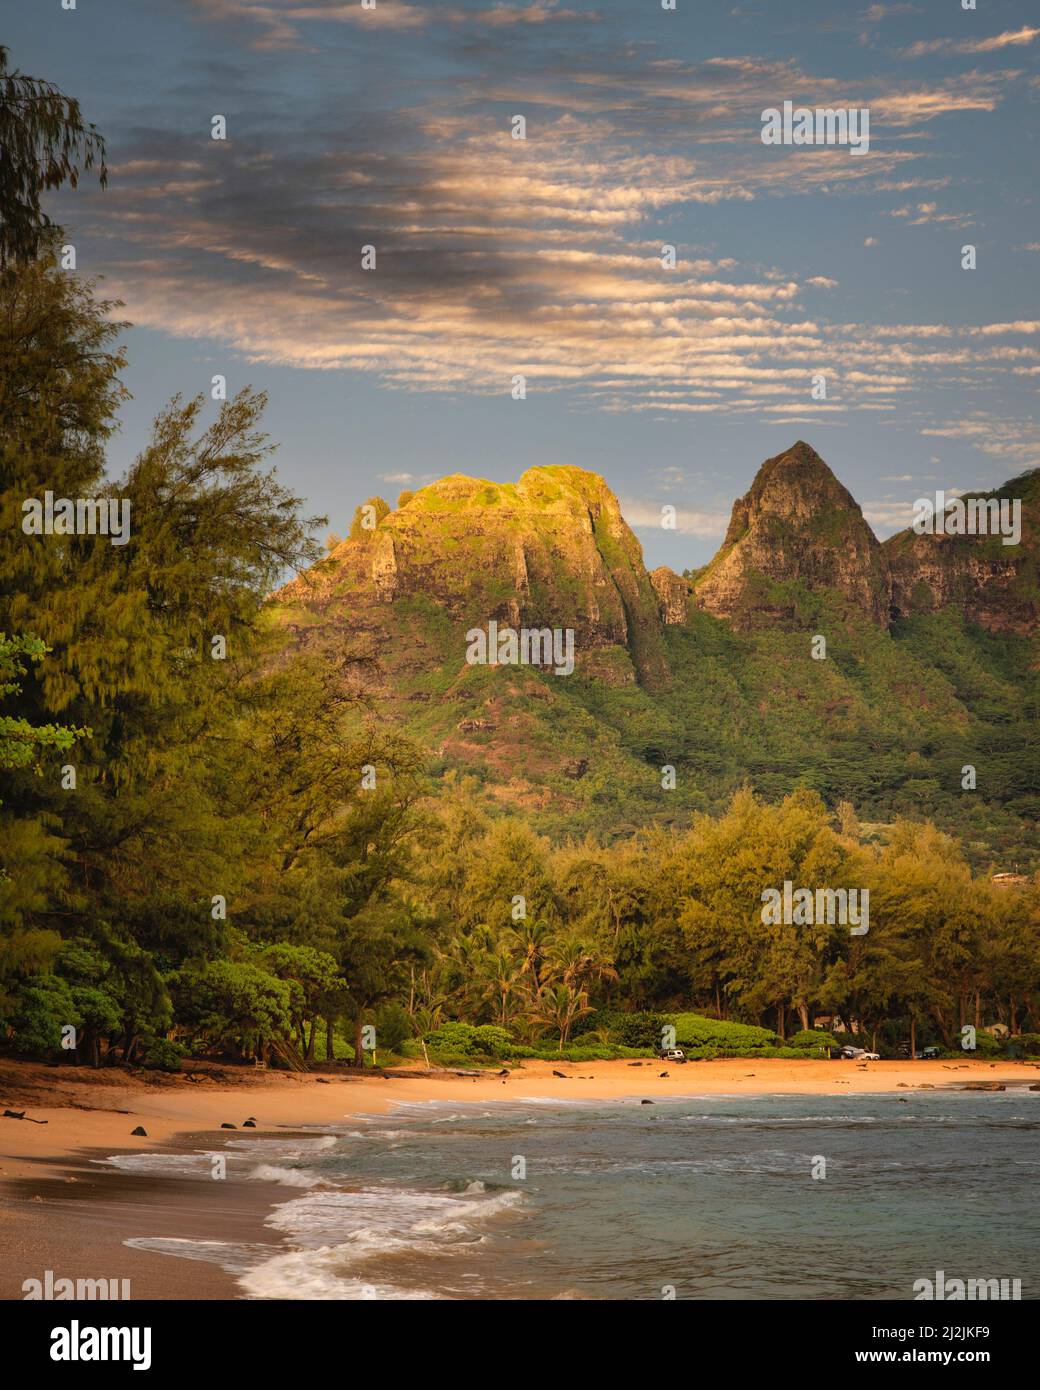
[709,1197]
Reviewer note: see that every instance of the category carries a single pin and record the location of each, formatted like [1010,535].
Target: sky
[392,126]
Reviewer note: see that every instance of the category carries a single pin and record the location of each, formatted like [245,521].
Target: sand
[60,1210]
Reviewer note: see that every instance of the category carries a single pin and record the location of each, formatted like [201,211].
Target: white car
[869,1057]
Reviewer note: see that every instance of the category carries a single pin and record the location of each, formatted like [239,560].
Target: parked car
[672,1054]
[869,1057]
[932,1052]
[852,1054]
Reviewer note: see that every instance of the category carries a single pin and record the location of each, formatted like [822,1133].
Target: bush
[494,1041]
[640,1029]
[162,1055]
[42,1010]
[693,1031]
[811,1039]
[393,1027]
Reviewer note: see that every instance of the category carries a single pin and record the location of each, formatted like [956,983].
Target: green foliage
[696,1031]
[46,143]
[44,1007]
[162,1055]
[813,1040]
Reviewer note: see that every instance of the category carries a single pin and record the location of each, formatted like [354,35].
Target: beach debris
[504,1071]
[662,1073]
[323,1081]
[562,1075]
[225,1125]
[21,1115]
[902,1100]
[249,1124]
[635,1064]
[1035,1086]
[141,1131]
[984,1086]
[902,1085]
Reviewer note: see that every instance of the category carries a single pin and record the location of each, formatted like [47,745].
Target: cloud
[541,257]
[1010,38]
[646,516]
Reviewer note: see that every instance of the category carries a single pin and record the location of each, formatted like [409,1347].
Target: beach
[64,1208]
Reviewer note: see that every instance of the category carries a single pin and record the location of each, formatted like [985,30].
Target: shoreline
[61,1210]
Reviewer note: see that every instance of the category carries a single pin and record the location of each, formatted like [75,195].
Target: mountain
[551,550]
[930,662]
[797,525]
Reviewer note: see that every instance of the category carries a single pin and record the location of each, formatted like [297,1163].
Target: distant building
[1008,880]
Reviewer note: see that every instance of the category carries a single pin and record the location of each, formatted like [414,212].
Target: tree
[46,144]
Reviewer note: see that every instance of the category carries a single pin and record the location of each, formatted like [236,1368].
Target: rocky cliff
[550,551]
[797,523]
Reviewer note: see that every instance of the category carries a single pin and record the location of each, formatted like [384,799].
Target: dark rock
[225,1125]
[140,1130]
[646,1102]
[249,1124]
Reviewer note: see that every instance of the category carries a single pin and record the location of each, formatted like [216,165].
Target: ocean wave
[287,1177]
[392,1211]
[321,1275]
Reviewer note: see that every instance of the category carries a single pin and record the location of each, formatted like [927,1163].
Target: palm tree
[531,940]
[560,1005]
[503,974]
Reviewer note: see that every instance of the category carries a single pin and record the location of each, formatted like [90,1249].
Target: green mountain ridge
[930,661]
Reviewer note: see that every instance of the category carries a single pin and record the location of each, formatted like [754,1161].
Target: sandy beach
[61,1210]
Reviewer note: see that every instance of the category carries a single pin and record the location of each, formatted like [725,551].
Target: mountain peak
[797,524]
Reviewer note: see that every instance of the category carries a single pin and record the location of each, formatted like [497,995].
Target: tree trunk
[803,1014]
[359,1055]
[780,1012]
[330,1045]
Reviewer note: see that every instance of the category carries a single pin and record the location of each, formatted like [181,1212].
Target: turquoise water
[710,1196]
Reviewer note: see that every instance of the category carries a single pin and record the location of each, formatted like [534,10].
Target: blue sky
[391,127]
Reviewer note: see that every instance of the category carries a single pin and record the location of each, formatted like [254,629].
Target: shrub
[162,1055]
[42,1010]
[393,1027]
[693,1031]
[810,1039]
